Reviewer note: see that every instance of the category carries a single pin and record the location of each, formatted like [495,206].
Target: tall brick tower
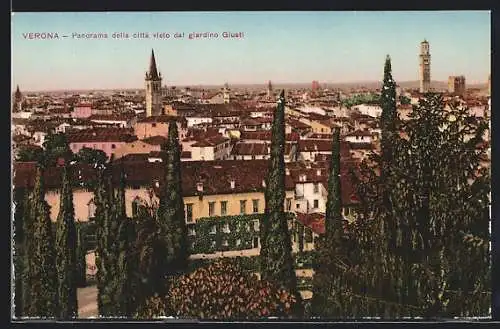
[153,89]
[425,67]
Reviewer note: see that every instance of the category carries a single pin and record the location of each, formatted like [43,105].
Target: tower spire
[153,72]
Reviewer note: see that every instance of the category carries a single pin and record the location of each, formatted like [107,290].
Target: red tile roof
[362,133]
[265,135]
[215,175]
[159,118]
[111,117]
[250,149]
[101,135]
[297,124]
[316,221]
[320,145]
[211,141]
[155,140]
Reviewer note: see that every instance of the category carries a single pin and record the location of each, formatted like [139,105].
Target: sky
[284,47]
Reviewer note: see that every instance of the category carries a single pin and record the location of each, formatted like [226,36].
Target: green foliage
[125,292]
[56,146]
[91,156]
[81,252]
[404,100]
[66,261]
[331,247]
[171,208]
[42,281]
[276,246]
[423,262]
[223,291]
[106,253]
[29,154]
[21,223]
[369,99]
[241,229]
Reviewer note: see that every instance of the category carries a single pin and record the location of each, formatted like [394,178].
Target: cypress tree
[124,293]
[24,227]
[276,246]
[66,261]
[103,199]
[327,283]
[42,270]
[81,253]
[171,210]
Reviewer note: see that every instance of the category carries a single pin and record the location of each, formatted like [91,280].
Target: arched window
[91,207]
[135,206]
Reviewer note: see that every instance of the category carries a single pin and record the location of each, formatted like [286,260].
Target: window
[256,242]
[153,125]
[297,205]
[211,209]
[223,208]
[113,146]
[255,204]
[316,203]
[256,225]
[189,212]
[243,206]
[135,207]
[213,229]
[316,187]
[92,207]
[288,204]
[346,211]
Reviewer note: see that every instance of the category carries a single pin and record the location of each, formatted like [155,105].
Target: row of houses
[211,189]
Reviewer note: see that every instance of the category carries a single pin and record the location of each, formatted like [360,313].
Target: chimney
[199,187]
[233,183]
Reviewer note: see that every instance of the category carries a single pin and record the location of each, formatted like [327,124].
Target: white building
[359,136]
[210,149]
[372,110]
[310,197]
[197,119]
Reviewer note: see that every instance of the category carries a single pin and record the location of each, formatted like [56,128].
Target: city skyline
[284,47]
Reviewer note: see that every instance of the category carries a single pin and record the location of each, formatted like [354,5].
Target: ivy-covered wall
[224,233]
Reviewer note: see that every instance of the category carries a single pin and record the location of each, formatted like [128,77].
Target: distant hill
[437,85]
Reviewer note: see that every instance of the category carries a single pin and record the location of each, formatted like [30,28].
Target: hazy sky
[277,46]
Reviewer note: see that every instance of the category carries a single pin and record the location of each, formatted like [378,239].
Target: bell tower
[153,89]
[425,67]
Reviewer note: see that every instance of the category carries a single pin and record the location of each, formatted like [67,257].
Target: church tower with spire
[18,100]
[269,89]
[153,89]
